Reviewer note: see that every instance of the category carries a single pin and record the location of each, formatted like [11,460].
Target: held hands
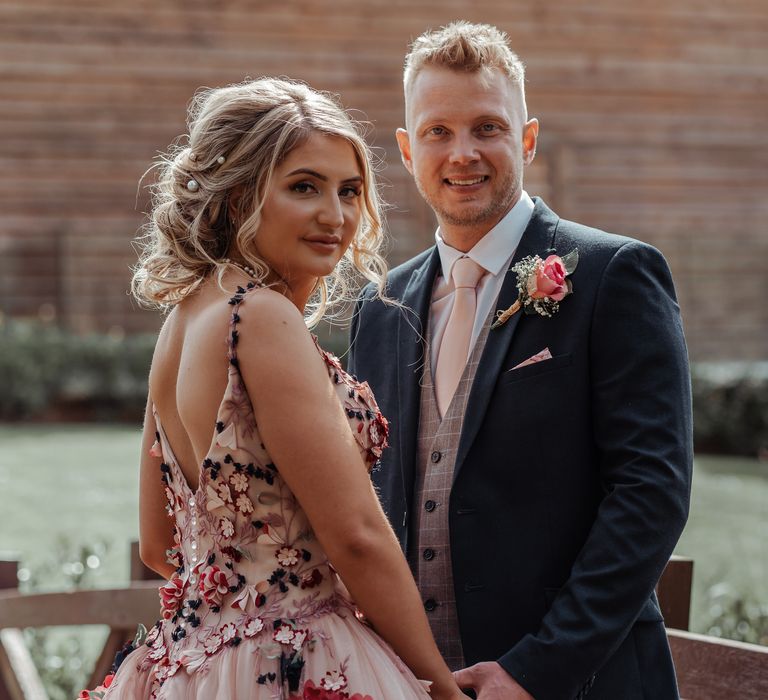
[491,682]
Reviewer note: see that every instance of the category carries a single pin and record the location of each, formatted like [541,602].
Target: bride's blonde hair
[238,135]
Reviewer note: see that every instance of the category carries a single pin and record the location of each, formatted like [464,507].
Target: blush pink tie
[454,348]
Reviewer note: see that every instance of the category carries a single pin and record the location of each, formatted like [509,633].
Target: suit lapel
[537,239]
[411,348]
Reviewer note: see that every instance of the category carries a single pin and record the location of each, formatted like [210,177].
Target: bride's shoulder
[268,323]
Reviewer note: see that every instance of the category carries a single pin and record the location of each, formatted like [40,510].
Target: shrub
[45,370]
[730,408]
[731,615]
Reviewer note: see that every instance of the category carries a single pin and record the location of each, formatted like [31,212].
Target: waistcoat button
[428,554]
[430,505]
[435,457]
[430,604]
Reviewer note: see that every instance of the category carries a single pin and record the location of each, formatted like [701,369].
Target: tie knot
[466,273]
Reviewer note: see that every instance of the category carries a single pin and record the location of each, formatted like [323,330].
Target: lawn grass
[81,482]
[727,533]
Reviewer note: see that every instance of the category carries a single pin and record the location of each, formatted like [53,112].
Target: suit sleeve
[641,417]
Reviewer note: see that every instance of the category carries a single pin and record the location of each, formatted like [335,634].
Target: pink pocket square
[540,356]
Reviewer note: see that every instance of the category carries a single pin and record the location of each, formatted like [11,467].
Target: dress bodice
[247,561]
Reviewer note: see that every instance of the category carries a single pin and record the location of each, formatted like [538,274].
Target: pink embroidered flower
[312,579]
[249,595]
[152,635]
[171,595]
[99,690]
[213,585]
[253,627]
[165,669]
[549,280]
[317,692]
[156,450]
[158,653]
[239,482]
[299,638]
[334,680]
[378,430]
[244,504]
[330,359]
[226,528]
[284,634]
[228,632]
[222,491]
[173,557]
[288,556]
[212,498]
[213,644]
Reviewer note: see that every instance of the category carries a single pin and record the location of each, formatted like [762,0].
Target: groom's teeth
[473,181]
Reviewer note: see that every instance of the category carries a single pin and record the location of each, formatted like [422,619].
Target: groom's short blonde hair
[463,46]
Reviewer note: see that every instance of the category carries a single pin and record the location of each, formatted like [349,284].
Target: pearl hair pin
[193,186]
[220,160]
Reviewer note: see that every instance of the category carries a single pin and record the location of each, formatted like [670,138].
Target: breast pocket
[538,368]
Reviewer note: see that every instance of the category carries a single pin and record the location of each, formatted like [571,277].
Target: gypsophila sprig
[541,285]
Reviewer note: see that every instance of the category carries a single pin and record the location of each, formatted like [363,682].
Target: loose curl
[238,135]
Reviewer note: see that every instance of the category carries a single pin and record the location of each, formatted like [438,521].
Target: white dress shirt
[493,252]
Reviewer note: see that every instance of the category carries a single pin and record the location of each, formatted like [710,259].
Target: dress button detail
[430,604]
[429,554]
[430,505]
[435,457]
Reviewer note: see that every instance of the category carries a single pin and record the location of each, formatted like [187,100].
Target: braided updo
[238,135]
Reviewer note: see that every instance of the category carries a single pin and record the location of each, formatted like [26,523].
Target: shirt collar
[496,248]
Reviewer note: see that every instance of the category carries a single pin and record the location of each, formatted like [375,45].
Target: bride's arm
[155,527]
[306,432]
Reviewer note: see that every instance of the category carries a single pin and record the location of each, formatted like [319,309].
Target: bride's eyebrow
[324,178]
[307,171]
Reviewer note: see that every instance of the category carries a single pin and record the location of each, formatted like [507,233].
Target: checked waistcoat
[429,552]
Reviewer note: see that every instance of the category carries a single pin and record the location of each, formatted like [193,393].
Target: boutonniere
[541,285]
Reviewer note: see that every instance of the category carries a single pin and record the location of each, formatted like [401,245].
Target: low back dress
[254,609]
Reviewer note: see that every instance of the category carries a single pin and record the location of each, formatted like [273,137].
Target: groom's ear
[530,139]
[404,144]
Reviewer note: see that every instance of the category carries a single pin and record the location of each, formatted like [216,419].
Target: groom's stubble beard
[505,193]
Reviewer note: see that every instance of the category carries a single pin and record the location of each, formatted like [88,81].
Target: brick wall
[653,125]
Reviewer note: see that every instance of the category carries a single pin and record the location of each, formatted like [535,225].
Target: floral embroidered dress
[254,609]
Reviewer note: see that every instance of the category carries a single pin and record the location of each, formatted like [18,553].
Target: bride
[255,500]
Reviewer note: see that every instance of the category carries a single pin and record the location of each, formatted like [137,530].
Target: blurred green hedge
[50,374]
[730,408]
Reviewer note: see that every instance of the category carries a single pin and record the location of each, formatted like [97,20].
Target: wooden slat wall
[653,125]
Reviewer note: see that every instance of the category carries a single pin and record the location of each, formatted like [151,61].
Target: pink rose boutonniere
[541,285]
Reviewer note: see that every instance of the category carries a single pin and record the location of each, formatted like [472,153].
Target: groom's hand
[491,682]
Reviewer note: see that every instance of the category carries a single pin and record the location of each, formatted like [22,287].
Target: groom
[539,471]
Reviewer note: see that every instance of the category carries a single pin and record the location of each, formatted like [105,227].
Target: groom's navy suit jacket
[572,476]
